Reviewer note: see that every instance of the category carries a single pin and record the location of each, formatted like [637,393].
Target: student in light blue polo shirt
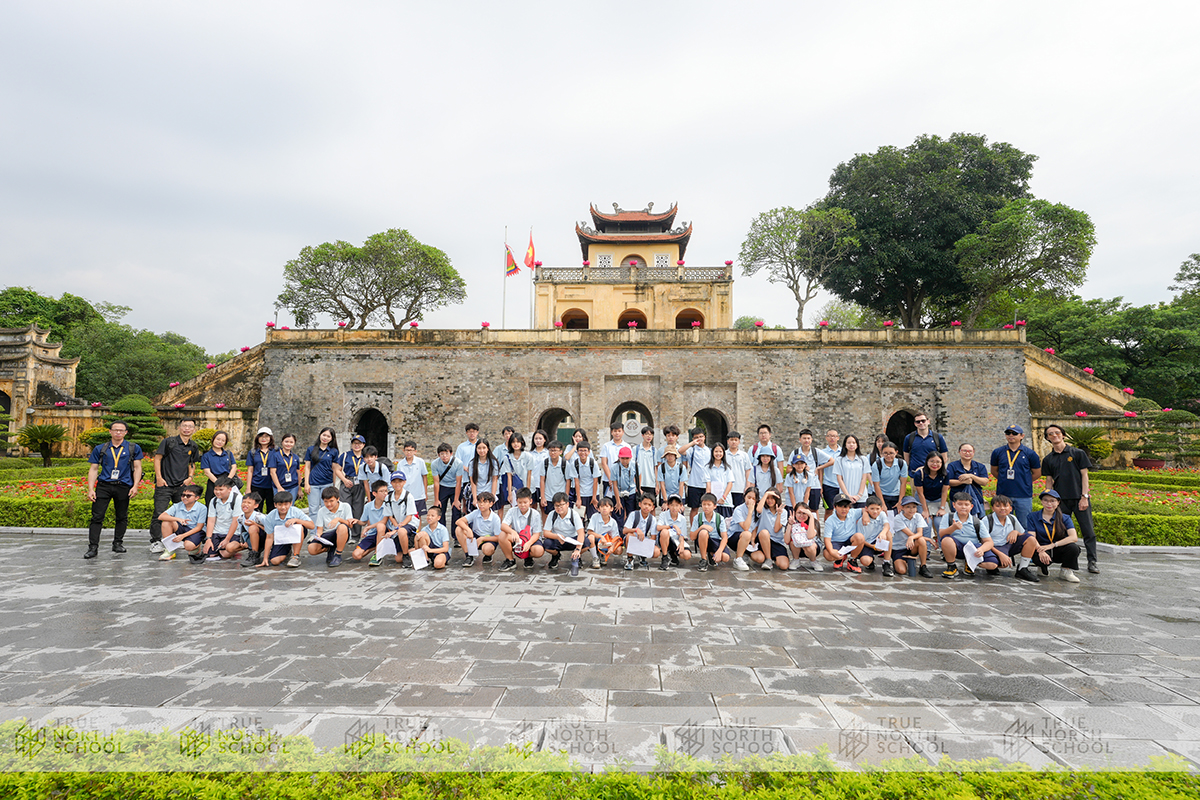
[841,530]
[284,513]
[960,529]
[184,522]
[889,477]
[908,537]
[556,476]
[486,528]
[372,469]
[877,536]
[672,475]
[466,450]
[827,456]
[445,469]
[695,455]
[434,539]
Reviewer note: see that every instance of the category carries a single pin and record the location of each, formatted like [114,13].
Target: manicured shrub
[1147,529]
[1159,478]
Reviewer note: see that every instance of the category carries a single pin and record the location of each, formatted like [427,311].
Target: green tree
[20,306]
[911,206]
[1029,247]
[746,323]
[842,314]
[41,438]
[798,248]
[117,360]
[392,276]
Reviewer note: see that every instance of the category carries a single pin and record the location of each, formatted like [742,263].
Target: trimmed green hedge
[1147,529]
[7,464]
[1126,476]
[40,512]
[13,476]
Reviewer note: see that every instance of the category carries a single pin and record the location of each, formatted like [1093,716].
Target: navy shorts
[195,538]
[367,542]
[778,550]
[694,493]
[330,536]
[829,493]
[422,507]
[556,545]
[278,550]
[836,545]
[877,546]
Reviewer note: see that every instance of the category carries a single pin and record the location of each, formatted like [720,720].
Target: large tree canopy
[1030,247]
[911,207]
[798,248]
[391,276]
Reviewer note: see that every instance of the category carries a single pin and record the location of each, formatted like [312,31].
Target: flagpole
[504,276]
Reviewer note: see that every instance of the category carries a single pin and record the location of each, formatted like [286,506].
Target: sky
[172,157]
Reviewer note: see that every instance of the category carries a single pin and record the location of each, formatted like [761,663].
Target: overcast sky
[173,156]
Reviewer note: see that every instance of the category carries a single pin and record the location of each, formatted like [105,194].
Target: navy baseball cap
[1017,429]
[1049,493]
[910,501]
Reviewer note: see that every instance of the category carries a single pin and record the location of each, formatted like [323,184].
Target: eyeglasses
[921,421]
[189,494]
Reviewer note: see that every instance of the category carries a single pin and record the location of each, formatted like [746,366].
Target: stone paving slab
[611,665]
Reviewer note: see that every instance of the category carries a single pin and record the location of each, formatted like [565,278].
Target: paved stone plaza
[611,664]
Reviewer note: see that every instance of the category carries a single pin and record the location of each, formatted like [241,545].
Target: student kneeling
[1057,541]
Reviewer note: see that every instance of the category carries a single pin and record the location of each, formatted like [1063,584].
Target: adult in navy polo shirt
[174,464]
[1015,467]
[1066,470]
[919,444]
[114,474]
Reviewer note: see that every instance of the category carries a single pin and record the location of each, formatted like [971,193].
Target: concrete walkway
[611,664]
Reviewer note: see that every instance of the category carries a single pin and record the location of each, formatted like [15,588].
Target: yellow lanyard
[287,462]
[357,464]
[116,453]
[1012,459]
[1049,528]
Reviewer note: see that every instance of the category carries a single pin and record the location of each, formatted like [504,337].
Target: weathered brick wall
[427,387]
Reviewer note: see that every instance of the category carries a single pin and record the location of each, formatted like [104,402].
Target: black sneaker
[643,563]
[870,567]
[92,552]
[951,571]
[1093,568]
[487,559]
[553,561]
[406,561]
[509,564]
[1025,574]
[196,556]
[703,566]
[924,572]
[887,569]
[663,566]
[469,561]
[629,564]
[335,561]
[330,555]
[674,561]
[120,548]
[1045,568]
[252,558]
[989,573]
[528,562]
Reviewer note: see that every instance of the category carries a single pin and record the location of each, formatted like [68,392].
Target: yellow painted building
[633,271]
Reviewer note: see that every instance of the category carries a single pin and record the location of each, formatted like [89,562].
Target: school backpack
[514,480]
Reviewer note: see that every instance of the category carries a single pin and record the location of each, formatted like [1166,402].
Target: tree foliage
[41,438]
[1029,247]
[842,314]
[391,276]
[798,248]
[141,420]
[911,206]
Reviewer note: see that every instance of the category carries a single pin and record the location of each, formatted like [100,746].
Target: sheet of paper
[845,550]
[640,547]
[386,548]
[288,534]
[570,540]
[752,547]
[171,545]
[472,547]
[973,561]
[419,558]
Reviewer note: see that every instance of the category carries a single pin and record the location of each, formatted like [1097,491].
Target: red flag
[529,259]
[510,263]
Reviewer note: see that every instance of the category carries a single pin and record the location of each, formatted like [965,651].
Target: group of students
[719,505]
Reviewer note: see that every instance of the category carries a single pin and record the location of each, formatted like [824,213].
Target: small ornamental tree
[41,438]
[1173,436]
[138,413]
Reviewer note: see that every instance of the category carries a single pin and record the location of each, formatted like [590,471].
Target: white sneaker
[166,556]
[767,566]
[156,547]
[816,567]
[294,561]
[740,565]
[794,564]
[1068,575]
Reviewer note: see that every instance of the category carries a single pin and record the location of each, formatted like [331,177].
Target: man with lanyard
[1015,467]
[1066,471]
[345,477]
[120,464]
[919,444]
[174,463]
[967,475]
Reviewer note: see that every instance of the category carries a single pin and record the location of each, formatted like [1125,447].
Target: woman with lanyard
[1056,538]
[258,463]
[319,475]
[285,467]
[217,462]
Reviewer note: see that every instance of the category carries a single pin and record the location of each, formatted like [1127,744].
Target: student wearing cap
[908,537]
[114,474]
[1066,471]
[1056,539]
[610,453]
[923,441]
[840,531]
[624,485]
[968,475]
[258,463]
[672,475]
[345,478]
[1015,466]
[812,457]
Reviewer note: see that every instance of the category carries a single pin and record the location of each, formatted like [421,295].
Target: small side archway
[714,423]
[631,315]
[632,410]
[557,423]
[688,318]
[633,260]
[899,425]
[372,425]
[575,319]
